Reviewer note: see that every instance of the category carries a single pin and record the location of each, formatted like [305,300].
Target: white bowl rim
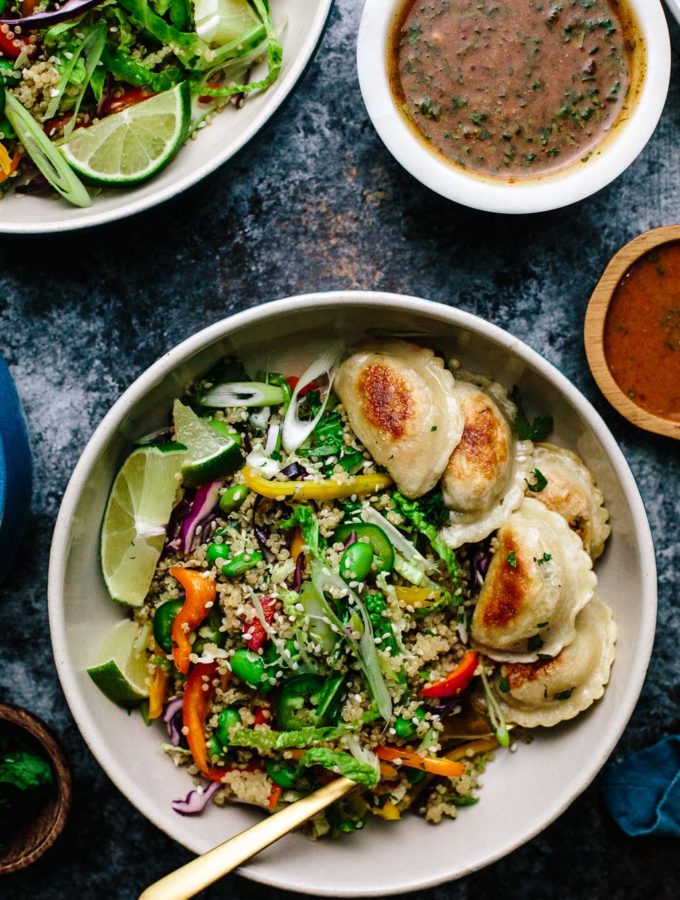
[531,196]
[429,309]
[92,218]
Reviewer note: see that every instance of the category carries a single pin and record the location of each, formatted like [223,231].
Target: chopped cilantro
[544,559]
[564,695]
[538,430]
[503,685]
[534,643]
[540,483]
[512,559]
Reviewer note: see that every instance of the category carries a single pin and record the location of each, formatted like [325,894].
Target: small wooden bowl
[37,836]
[593,331]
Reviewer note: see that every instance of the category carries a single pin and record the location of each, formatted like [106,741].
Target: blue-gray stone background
[314,203]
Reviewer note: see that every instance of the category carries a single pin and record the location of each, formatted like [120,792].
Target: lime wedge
[211,452]
[137,513]
[134,144]
[222,21]
[122,672]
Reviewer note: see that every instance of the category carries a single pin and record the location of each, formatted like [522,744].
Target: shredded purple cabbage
[177,517]
[262,535]
[294,471]
[173,721]
[296,583]
[352,539]
[196,800]
[481,561]
[36,185]
[202,507]
[448,709]
[68,10]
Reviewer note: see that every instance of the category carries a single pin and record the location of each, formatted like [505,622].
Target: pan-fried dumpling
[484,479]
[539,579]
[548,692]
[400,403]
[571,492]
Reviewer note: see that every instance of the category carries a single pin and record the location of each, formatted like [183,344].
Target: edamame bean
[162,623]
[281,773]
[233,498]
[225,722]
[249,667]
[241,563]
[216,552]
[214,748]
[356,561]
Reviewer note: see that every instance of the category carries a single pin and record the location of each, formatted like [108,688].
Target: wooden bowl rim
[37,729]
[593,330]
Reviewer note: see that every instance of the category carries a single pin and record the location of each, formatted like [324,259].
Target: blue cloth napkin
[642,792]
[15,469]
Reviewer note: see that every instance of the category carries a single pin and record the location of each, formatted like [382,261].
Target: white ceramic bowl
[521,793]
[302,27]
[526,195]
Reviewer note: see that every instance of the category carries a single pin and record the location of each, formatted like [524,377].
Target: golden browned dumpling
[484,479]
[550,691]
[400,403]
[539,579]
[571,492]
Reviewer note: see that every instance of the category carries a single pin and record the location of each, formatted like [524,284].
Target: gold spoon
[208,868]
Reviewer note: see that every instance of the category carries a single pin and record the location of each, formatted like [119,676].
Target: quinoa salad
[377,568]
[98,93]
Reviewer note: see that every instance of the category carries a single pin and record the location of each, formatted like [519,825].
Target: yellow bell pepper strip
[199,592]
[417,597]
[456,682]
[13,166]
[388,811]
[432,764]
[297,545]
[195,709]
[5,161]
[315,490]
[158,689]
[473,748]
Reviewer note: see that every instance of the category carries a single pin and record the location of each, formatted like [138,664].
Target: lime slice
[122,672]
[211,453]
[222,21]
[134,144]
[137,513]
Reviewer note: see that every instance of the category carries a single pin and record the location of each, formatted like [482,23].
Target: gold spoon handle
[206,869]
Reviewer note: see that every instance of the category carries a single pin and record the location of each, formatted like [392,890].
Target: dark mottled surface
[316,202]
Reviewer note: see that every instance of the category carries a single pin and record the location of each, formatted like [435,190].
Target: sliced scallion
[296,430]
[241,393]
[44,154]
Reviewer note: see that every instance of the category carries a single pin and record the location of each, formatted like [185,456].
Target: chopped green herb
[540,482]
[534,643]
[512,559]
[564,695]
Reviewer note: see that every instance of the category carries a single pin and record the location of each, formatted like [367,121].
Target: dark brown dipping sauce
[642,332]
[513,87]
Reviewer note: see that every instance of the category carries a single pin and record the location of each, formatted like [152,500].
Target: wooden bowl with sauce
[632,331]
[37,833]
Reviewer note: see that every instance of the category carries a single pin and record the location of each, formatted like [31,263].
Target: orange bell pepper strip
[195,709]
[297,545]
[431,764]
[13,166]
[473,748]
[158,692]
[456,682]
[274,796]
[199,592]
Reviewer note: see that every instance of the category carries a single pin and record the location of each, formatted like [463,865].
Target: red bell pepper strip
[195,709]
[263,715]
[199,592]
[11,44]
[128,98]
[457,681]
[255,633]
[293,382]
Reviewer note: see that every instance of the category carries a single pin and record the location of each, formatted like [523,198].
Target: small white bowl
[302,25]
[522,793]
[540,194]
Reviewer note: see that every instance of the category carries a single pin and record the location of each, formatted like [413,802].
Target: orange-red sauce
[642,332]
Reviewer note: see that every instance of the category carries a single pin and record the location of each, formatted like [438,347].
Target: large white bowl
[552,191]
[674,6]
[302,25]
[524,791]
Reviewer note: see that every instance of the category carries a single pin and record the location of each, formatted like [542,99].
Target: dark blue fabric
[15,469]
[643,791]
